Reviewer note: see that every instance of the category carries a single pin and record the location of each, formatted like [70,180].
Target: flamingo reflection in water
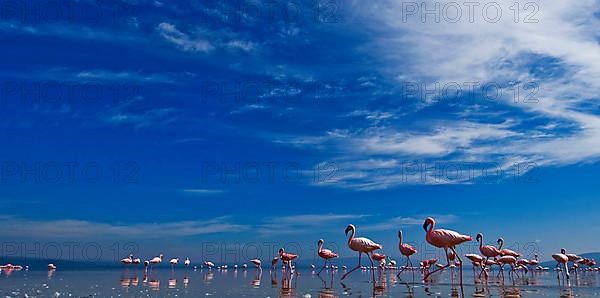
[288,286]
[257,277]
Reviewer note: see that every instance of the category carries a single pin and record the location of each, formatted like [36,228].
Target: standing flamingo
[506,252]
[406,250]
[562,258]
[274,262]
[361,245]
[325,254]
[128,260]
[136,261]
[287,257]
[488,251]
[174,262]
[156,260]
[445,239]
[187,262]
[256,263]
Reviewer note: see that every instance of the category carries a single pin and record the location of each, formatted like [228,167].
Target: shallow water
[252,283]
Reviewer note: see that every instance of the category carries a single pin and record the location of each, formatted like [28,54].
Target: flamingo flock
[444,239]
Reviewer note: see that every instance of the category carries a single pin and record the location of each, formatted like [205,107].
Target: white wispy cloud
[182,40]
[83,229]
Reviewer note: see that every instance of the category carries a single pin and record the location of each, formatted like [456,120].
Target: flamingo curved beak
[425,224]
[348,228]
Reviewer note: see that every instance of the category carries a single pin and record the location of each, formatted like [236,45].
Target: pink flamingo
[361,245]
[562,258]
[506,252]
[476,260]
[406,250]
[488,251]
[379,258]
[510,260]
[287,258]
[174,262]
[445,239]
[128,260]
[187,262]
[156,260]
[326,254]
[257,263]
[136,261]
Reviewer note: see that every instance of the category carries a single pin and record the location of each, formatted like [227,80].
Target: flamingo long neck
[400,236]
[431,227]
[501,242]
[320,246]
[352,231]
[480,242]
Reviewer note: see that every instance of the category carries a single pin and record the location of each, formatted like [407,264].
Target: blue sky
[200,123]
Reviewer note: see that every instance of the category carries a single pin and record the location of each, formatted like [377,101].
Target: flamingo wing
[363,244]
[446,238]
[327,254]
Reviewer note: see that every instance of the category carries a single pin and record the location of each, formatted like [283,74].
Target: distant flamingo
[174,262]
[562,258]
[274,262]
[361,245]
[287,257]
[187,262]
[209,264]
[510,260]
[506,252]
[136,261]
[128,260]
[51,266]
[406,250]
[146,264]
[256,263]
[535,261]
[156,260]
[445,239]
[325,254]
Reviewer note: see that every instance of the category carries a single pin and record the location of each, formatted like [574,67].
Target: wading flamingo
[324,253]
[510,260]
[476,261]
[51,266]
[174,262]
[562,258]
[256,263]
[128,260]
[187,262]
[287,257]
[488,251]
[361,245]
[506,252]
[156,260]
[274,262]
[445,239]
[209,264]
[136,261]
[406,250]
[379,258]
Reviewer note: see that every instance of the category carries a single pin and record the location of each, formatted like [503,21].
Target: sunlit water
[163,281]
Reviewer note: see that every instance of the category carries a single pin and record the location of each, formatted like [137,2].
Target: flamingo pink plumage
[325,254]
[506,252]
[361,245]
[445,239]
[562,258]
[128,260]
[406,250]
[488,251]
[287,257]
